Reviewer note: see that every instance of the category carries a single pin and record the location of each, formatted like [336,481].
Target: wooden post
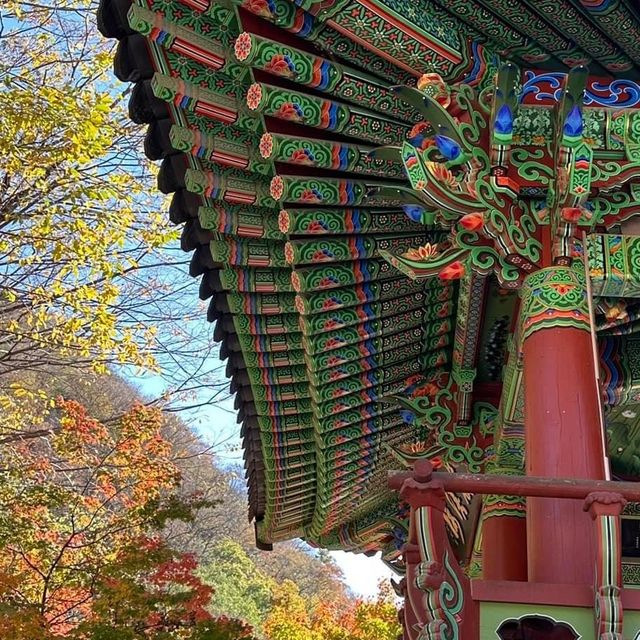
[438,591]
[563,424]
[605,509]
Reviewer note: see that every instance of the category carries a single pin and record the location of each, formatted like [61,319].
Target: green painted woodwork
[234,190]
[315,250]
[312,71]
[318,222]
[196,99]
[258,280]
[493,614]
[554,297]
[173,36]
[326,154]
[253,253]
[243,222]
[344,317]
[307,279]
[218,23]
[318,301]
[614,265]
[324,114]
[261,304]
[623,436]
[218,149]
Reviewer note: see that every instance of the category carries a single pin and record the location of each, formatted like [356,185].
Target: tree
[74,220]
[91,274]
[81,551]
[317,576]
[377,618]
[241,589]
[290,618]
[152,592]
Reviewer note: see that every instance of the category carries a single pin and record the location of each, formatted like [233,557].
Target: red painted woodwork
[260,27]
[568,488]
[563,595]
[504,550]
[414,610]
[408,620]
[487,392]
[543,234]
[563,439]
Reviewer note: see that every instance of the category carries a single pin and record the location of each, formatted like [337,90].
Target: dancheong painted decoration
[418,226]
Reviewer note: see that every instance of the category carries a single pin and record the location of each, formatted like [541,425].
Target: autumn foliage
[85,552]
[291,618]
[81,550]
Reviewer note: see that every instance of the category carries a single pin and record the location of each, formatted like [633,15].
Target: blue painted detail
[355,219]
[449,148]
[573,124]
[344,157]
[307,25]
[413,211]
[618,93]
[408,417]
[504,120]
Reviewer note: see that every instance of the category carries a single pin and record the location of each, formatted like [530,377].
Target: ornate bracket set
[496,171]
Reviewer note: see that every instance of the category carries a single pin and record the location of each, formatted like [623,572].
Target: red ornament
[418,129]
[454,271]
[571,214]
[279,65]
[472,221]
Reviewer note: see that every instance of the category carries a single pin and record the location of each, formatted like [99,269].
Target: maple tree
[81,550]
[152,592]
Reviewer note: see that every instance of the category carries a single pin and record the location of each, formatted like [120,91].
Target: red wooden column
[504,537]
[563,430]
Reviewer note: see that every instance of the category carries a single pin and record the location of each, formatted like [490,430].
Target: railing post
[436,580]
[605,509]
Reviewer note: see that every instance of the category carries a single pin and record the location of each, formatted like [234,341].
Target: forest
[118,520]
